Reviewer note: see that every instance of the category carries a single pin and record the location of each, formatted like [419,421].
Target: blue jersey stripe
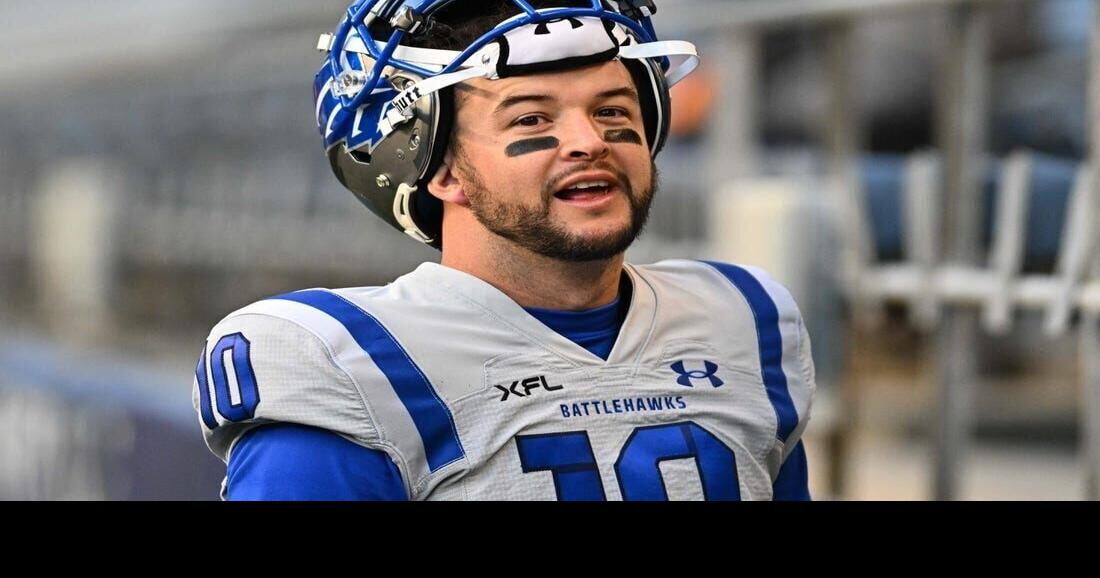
[770,344]
[429,414]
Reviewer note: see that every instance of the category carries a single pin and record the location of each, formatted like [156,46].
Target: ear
[445,184]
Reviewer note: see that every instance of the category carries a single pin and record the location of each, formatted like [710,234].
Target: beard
[534,230]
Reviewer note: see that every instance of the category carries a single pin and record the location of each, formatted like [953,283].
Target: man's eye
[530,120]
[612,112]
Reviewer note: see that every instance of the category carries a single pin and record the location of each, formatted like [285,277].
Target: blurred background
[916,171]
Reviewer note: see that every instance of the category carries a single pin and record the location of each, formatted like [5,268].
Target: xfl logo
[686,376]
[523,388]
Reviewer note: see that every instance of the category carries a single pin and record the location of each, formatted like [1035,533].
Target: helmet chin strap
[682,53]
[403,215]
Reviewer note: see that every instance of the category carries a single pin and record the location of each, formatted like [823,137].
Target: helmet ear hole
[360,156]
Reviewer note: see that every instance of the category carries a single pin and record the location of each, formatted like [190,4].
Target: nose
[582,139]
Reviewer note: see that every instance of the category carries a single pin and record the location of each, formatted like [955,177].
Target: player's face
[557,163]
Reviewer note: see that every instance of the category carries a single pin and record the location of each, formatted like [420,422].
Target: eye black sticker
[627,135]
[531,145]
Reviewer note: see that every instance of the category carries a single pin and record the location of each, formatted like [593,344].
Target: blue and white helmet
[384,105]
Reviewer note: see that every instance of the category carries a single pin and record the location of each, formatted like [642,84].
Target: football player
[532,362]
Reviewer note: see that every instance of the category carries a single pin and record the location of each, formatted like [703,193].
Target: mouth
[588,190]
[581,194]
[587,198]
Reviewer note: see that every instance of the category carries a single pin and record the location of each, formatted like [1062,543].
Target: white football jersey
[705,392]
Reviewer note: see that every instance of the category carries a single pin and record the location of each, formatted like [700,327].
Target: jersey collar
[633,337]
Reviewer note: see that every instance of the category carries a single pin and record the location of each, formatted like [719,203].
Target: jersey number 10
[569,456]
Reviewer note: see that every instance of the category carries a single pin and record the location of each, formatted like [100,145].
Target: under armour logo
[686,376]
[544,28]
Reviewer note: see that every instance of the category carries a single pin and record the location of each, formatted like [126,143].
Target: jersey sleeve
[798,370]
[792,483]
[787,365]
[294,462]
[258,369]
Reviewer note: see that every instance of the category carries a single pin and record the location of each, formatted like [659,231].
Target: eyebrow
[626,91]
[522,98]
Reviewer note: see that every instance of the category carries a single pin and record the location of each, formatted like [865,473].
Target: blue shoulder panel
[288,461]
[432,418]
[770,344]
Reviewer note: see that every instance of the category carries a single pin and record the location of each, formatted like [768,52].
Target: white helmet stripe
[321,99]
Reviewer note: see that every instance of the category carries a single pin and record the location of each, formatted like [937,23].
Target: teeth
[589,185]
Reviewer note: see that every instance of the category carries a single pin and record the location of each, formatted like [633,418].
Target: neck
[533,280]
